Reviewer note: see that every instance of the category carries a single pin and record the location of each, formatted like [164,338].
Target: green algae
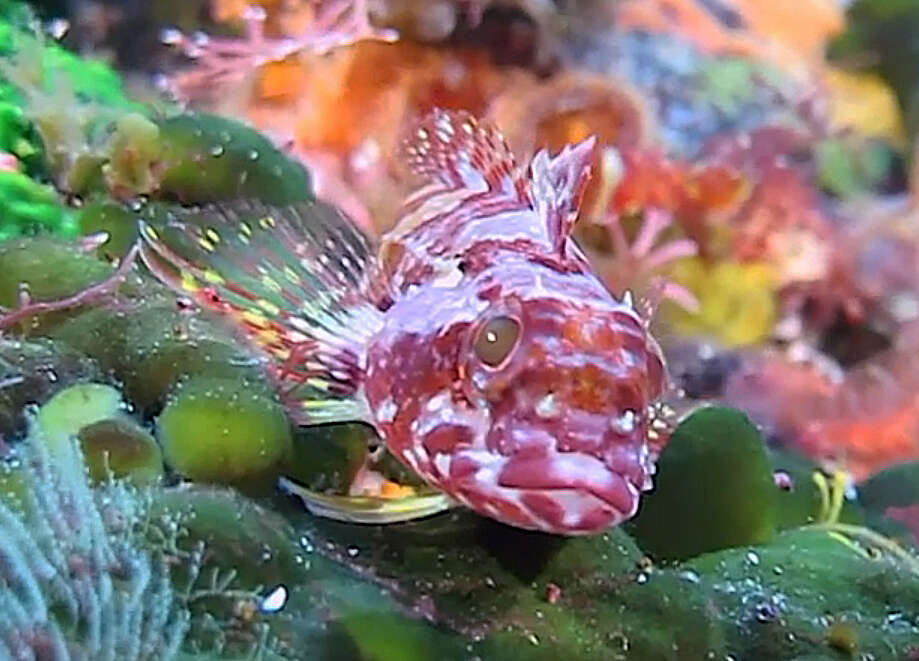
[223,430]
[209,158]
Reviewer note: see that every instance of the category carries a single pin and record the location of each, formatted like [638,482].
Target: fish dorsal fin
[452,150]
[558,184]
[290,279]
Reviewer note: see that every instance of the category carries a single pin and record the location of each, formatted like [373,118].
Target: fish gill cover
[211,238]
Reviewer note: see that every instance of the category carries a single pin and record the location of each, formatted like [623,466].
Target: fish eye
[496,339]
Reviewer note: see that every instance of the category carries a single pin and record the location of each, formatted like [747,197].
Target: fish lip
[573,471]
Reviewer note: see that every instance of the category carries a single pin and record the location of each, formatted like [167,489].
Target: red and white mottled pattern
[554,438]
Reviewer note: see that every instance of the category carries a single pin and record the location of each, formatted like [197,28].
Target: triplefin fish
[473,337]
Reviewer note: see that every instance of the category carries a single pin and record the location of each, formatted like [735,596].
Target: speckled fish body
[474,337]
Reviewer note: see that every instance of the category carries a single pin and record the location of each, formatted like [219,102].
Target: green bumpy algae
[47,269]
[209,158]
[118,222]
[714,489]
[223,430]
[788,596]
[119,447]
[111,442]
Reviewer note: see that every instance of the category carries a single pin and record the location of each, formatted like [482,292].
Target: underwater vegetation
[751,200]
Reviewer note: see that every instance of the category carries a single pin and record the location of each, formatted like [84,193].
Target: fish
[473,337]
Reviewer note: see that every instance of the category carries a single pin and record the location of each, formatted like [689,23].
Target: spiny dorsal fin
[558,184]
[457,151]
[290,279]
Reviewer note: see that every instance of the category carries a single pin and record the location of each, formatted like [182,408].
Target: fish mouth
[571,471]
[568,493]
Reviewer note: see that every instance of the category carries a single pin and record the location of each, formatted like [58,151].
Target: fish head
[543,423]
[566,383]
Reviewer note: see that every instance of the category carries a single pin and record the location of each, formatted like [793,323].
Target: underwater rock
[714,489]
[282,595]
[515,594]
[207,158]
[223,430]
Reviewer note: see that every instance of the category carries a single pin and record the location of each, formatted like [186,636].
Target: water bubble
[57,28]
[642,578]
[353,551]
[253,154]
[766,612]
[783,481]
[171,36]
[752,558]
[777,570]
[689,575]
[217,150]
[275,601]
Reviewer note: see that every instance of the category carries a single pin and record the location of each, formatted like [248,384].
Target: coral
[862,420]
[223,430]
[864,103]
[566,109]
[791,33]
[738,303]
[637,265]
[713,446]
[701,197]
[872,418]
[222,61]
[74,582]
